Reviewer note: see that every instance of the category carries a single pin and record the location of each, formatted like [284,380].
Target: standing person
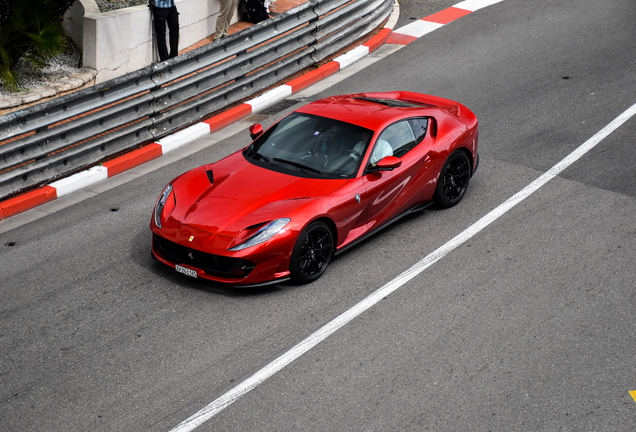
[223,19]
[166,10]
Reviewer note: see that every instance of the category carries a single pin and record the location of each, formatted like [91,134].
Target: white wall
[117,42]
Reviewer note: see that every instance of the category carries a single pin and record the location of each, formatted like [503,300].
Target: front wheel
[453,180]
[312,253]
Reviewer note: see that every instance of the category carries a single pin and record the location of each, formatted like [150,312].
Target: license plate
[185,271]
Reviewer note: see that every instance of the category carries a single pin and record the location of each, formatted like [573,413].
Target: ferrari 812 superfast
[320,180]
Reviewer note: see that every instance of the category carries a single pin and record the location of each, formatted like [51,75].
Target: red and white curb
[81,180]
[421,27]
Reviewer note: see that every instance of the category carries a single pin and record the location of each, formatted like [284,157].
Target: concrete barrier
[118,42]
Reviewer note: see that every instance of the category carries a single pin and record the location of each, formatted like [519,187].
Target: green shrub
[30,29]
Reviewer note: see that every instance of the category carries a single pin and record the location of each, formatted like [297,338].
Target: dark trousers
[161,15]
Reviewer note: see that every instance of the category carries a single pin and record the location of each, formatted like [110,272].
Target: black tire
[453,180]
[312,253]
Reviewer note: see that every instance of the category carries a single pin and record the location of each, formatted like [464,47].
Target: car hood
[242,195]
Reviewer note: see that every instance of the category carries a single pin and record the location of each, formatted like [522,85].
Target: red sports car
[318,181]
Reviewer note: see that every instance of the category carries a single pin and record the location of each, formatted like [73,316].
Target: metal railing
[53,139]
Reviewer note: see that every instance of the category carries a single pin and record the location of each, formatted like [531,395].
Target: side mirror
[388,163]
[256,130]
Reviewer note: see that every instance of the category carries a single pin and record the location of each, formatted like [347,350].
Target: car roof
[375,110]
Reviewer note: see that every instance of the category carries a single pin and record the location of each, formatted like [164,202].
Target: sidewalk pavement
[277,7]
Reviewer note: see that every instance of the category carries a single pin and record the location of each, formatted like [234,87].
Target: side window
[419,126]
[381,150]
[399,137]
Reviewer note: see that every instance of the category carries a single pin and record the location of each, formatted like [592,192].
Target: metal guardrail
[58,137]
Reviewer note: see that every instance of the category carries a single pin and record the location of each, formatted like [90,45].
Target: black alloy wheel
[312,253]
[453,180]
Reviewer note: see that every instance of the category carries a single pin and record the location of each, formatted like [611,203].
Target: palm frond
[31,31]
[10,79]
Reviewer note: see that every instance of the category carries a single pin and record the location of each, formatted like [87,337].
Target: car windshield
[311,146]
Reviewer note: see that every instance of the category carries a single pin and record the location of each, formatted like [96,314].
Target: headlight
[263,234]
[161,203]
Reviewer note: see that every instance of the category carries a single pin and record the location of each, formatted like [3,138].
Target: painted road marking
[473,5]
[633,393]
[328,329]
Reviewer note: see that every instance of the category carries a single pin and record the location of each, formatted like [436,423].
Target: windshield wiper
[255,155]
[298,165]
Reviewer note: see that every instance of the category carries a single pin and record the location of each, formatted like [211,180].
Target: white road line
[231,396]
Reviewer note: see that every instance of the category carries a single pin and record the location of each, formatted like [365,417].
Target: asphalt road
[527,326]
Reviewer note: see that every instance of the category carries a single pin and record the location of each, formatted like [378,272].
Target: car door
[390,193]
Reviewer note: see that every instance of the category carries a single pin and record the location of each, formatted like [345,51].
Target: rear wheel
[453,180]
[312,253]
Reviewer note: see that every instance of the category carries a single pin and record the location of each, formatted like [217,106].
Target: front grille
[215,265]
